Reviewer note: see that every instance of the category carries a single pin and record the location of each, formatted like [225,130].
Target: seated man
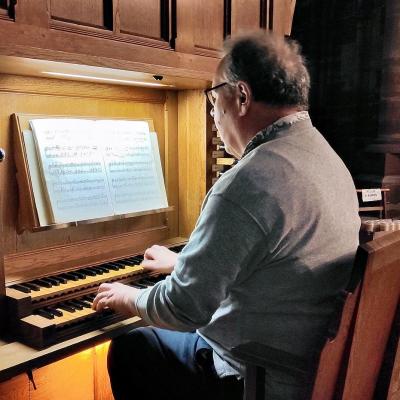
[273,246]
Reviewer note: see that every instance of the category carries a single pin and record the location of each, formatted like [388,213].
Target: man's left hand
[120,298]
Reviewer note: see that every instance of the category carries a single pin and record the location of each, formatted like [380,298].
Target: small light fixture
[110,80]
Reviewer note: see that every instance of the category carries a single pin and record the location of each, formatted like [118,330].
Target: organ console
[52,301]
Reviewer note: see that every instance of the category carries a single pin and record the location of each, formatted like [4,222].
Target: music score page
[98,168]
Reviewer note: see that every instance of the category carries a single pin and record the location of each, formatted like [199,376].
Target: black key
[107,311]
[66,307]
[52,281]
[74,304]
[44,313]
[136,259]
[41,282]
[78,274]
[79,271]
[97,270]
[91,296]
[88,272]
[128,262]
[83,303]
[103,268]
[69,276]
[92,271]
[119,263]
[88,299]
[32,286]
[55,312]
[21,288]
[177,249]
[147,282]
[112,266]
[60,279]
[138,285]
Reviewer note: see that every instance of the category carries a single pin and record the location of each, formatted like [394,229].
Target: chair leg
[254,383]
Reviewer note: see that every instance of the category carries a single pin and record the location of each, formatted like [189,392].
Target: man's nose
[212,112]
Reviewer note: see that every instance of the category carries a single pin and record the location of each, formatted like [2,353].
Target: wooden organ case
[35,257]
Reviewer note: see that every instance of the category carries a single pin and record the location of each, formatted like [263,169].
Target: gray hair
[272,66]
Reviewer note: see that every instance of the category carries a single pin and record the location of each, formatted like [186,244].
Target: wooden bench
[349,364]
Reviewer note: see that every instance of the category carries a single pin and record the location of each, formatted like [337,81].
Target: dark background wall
[343,41]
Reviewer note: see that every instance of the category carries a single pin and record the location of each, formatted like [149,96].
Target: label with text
[371,195]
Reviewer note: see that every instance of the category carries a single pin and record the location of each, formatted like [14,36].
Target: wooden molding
[30,264]
[123,36]
[54,45]
[171,170]
[192,149]
[69,88]
[202,51]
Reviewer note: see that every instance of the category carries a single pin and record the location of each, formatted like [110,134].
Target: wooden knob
[2,155]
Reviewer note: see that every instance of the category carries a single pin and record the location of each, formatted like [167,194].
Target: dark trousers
[151,363]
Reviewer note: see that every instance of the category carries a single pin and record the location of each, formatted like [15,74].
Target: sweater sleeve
[219,249]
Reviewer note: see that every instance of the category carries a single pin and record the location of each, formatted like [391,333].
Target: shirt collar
[266,134]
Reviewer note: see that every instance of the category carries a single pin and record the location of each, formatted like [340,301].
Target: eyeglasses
[209,94]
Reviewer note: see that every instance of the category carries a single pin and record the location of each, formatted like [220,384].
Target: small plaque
[371,195]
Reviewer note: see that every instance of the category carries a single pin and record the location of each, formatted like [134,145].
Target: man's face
[224,114]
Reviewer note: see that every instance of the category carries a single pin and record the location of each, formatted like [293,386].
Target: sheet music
[133,166]
[94,169]
[43,211]
[73,169]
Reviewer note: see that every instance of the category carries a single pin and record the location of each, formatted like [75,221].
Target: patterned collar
[267,133]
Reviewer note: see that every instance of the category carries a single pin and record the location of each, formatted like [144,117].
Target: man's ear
[244,96]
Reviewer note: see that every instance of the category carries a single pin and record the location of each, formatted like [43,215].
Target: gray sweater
[273,245]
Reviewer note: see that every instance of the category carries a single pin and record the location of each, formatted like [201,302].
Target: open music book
[84,169]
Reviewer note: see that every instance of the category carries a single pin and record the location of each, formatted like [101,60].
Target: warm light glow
[111,80]
[86,353]
[100,348]
[103,346]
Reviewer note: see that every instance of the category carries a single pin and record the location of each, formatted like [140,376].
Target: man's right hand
[159,259]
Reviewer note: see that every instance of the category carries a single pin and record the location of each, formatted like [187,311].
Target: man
[271,249]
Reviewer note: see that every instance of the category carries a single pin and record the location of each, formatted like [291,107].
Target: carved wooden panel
[139,20]
[204,24]
[152,23]
[248,15]
[274,15]
[281,16]
[210,25]
[96,13]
